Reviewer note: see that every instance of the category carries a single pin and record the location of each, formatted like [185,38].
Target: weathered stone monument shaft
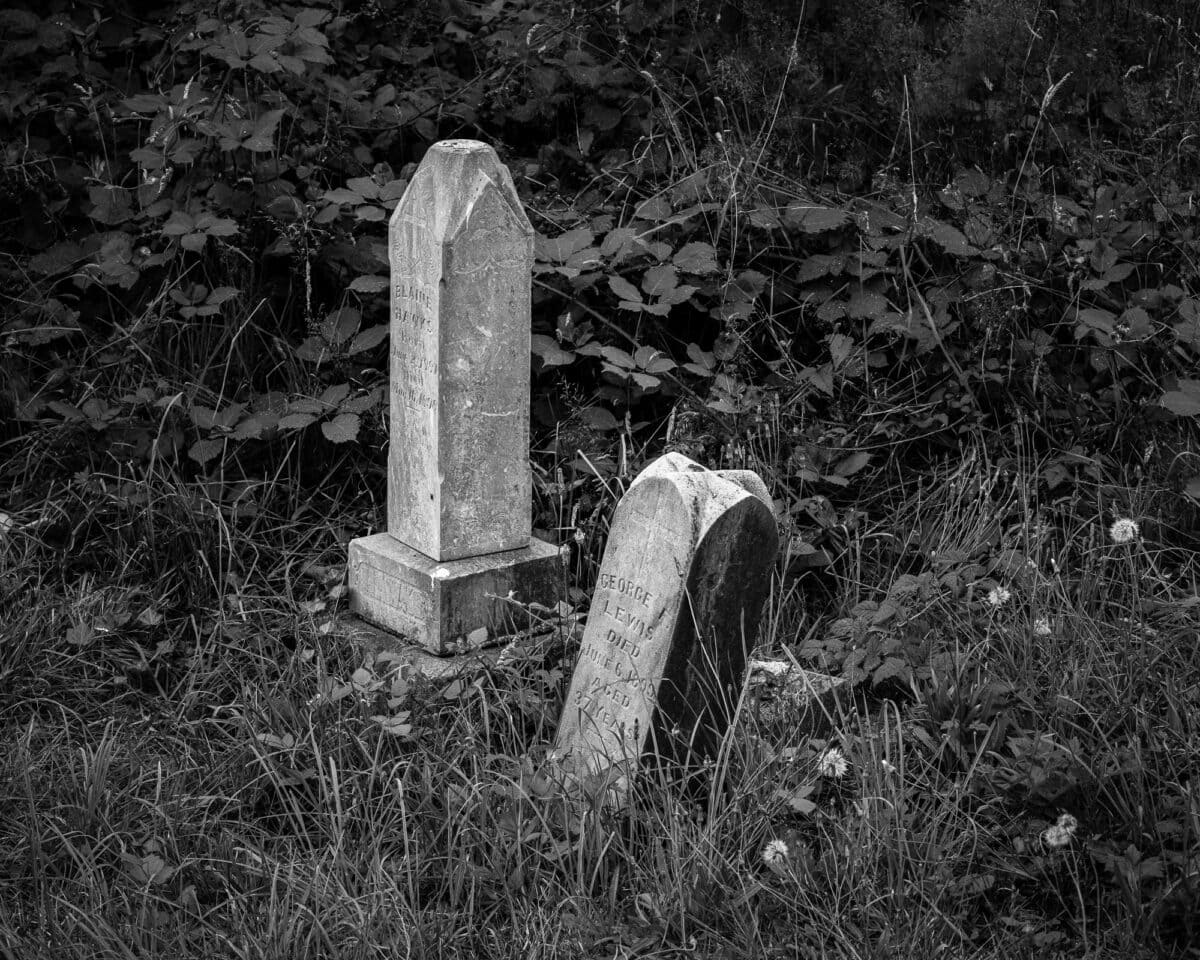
[459,488]
[462,254]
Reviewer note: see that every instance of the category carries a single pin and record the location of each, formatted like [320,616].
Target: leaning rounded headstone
[677,603]
[457,548]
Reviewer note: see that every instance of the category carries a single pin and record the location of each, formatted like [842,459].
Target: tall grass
[226,777]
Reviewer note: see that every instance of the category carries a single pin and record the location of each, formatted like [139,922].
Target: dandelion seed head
[1123,530]
[775,853]
[832,763]
[1055,836]
[1061,832]
[774,668]
[998,596]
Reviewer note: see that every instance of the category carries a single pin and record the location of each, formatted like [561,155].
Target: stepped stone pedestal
[457,562]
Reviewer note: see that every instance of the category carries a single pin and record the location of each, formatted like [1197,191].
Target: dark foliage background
[908,219]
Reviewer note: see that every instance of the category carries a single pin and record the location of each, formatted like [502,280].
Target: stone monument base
[449,607]
[373,644]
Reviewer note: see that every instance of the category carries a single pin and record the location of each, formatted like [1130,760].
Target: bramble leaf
[551,353]
[342,195]
[851,464]
[659,280]
[656,208]
[815,219]
[368,339]
[296,421]
[369,284]
[559,249]
[202,451]
[599,418]
[624,289]
[1184,402]
[696,257]
[342,428]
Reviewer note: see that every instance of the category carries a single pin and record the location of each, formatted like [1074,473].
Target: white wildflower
[1061,832]
[998,596]
[1123,530]
[775,853]
[1041,627]
[776,668]
[832,763]
[1055,836]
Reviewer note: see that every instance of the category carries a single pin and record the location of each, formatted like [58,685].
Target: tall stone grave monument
[681,587]
[457,547]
